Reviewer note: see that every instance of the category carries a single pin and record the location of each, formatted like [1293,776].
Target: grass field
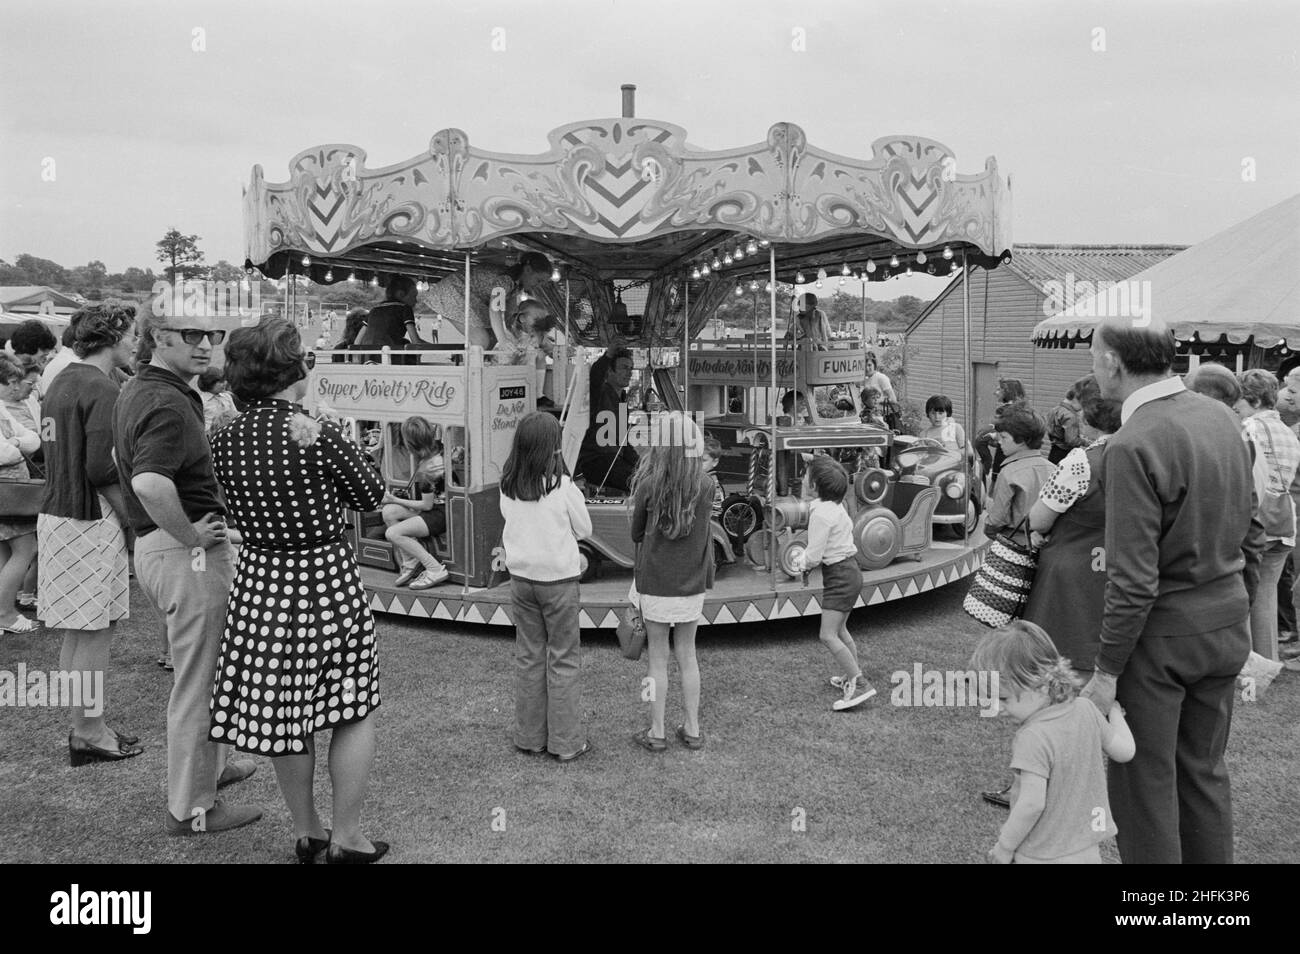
[880,784]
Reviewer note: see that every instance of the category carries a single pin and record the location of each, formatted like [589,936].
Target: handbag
[1276,512]
[631,633]
[20,499]
[1000,590]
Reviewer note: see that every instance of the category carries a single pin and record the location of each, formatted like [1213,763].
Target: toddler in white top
[831,546]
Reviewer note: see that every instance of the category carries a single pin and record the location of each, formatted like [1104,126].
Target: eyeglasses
[192,336]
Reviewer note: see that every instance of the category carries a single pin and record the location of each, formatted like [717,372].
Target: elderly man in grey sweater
[1177,480]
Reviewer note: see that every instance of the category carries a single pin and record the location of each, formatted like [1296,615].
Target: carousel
[647,236]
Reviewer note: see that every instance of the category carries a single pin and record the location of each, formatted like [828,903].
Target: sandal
[649,742]
[22,625]
[690,741]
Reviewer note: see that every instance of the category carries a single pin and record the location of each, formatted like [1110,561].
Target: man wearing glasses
[182,557]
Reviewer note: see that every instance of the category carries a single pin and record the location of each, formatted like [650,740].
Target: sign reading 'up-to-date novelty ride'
[432,391]
[729,366]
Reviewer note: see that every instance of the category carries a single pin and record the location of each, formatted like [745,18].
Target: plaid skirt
[83,571]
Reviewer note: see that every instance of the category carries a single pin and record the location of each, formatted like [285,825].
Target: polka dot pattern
[1070,483]
[298,652]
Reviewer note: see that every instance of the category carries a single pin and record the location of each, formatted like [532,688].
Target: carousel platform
[741,593]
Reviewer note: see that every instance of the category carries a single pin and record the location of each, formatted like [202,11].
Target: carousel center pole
[686,353]
[771,451]
[465,452]
[966,388]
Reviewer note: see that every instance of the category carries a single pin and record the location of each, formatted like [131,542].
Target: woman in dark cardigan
[1068,524]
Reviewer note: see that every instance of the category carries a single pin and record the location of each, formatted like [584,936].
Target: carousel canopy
[1240,284]
[628,200]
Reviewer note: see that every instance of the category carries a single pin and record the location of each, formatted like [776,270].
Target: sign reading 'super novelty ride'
[643,237]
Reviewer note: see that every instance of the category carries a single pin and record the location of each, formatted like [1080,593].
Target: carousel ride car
[647,236]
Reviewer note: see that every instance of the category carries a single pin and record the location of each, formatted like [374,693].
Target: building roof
[18,297]
[1040,265]
[1241,283]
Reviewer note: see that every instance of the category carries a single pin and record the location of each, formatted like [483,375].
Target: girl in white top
[545,517]
[830,545]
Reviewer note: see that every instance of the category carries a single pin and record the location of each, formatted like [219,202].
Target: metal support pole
[966,386]
[465,459]
[771,452]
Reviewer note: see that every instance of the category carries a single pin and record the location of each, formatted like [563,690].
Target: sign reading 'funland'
[815,367]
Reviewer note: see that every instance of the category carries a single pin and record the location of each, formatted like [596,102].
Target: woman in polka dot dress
[298,652]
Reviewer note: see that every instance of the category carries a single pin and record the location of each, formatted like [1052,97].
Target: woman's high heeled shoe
[83,753]
[338,855]
[307,848]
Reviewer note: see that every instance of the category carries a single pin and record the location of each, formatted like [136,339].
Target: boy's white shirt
[830,535]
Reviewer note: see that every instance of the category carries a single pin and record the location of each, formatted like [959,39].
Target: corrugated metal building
[1005,305]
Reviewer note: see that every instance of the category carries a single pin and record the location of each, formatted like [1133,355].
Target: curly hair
[1023,423]
[10,370]
[1258,388]
[1025,658]
[100,326]
[265,359]
[32,337]
[1099,412]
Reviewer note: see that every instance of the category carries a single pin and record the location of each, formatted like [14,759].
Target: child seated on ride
[943,429]
[788,406]
[871,409]
[1060,812]
[831,546]
[712,453]
[425,515]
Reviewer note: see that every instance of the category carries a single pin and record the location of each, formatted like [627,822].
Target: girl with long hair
[545,517]
[672,502]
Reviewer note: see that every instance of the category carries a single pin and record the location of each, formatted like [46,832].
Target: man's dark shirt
[158,429]
[386,326]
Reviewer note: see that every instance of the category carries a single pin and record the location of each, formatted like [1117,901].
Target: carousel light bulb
[329,274]
[819,283]
[555,274]
[909,269]
[249,270]
[306,260]
[842,279]
[947,252]
[717,262]
[352,278]
[846,270]
[799,279]
[765,242]
[768,288]
[753,285]
[726,259]
[705,270]
[893,261]
[739,291]
[695,273]
[374,281]
[821,275]
[871,267]
[930,268]
[920,258]
[751,248]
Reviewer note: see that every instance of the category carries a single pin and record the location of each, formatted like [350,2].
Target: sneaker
[407,574]
[856,691]
[430,578]
[220,817]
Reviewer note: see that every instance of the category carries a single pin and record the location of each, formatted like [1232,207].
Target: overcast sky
[1142,142]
